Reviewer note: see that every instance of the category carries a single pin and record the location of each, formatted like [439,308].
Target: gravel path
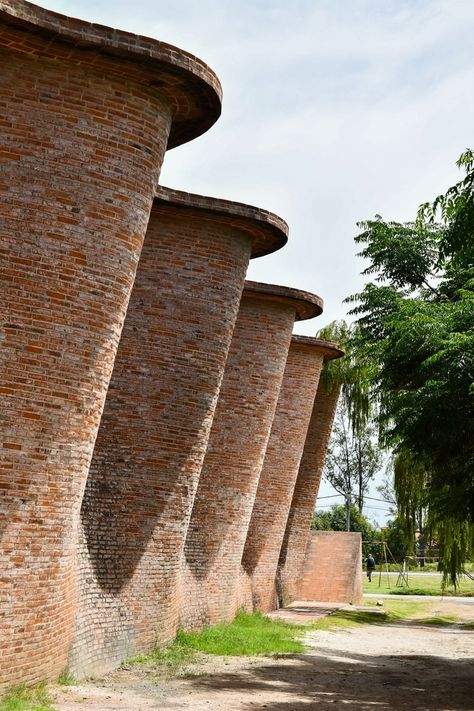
[404,666]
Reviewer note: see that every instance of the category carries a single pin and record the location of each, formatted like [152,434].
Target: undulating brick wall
[332,569]
[306,489]
[86,114]
[280,469]
[236,449]
[156,421]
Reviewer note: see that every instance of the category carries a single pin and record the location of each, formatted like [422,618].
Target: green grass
[248,635]
[392,611]
[253,635]
[66,679]
[419,584]
[25,699]
[440,620]
[170,659]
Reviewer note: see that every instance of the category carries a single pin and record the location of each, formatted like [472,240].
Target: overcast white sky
[334,110]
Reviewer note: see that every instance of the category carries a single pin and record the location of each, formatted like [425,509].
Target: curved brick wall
[156,421]
[84,129]
[280,469]
[236,449]
[297,531]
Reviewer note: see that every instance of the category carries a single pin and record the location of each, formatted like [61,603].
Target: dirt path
[403,666]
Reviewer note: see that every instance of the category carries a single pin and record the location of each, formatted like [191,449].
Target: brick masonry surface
[83,130]
[297,531]
[332,570]
[280,469]
[236,449]
[156,421]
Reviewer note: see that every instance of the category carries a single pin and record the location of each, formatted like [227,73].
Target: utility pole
[348,511]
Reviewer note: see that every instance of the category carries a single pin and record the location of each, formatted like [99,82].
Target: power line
[370,508]
[369,498]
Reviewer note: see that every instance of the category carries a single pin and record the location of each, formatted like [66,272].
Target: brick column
[280,469]
[157,418]
[236,450]
[86,115]
[297,531]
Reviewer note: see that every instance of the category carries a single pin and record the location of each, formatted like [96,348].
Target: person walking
[370,565]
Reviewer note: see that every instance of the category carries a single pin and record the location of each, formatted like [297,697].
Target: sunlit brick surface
[82,138]
[236,449]
[156,421]
[332,569]
[280,469]
[297,531]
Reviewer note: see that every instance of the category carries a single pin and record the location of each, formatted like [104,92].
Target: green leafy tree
[393,534]
[335,520]
[353,457]
[415,332]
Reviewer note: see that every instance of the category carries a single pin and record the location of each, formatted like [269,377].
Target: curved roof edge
[269,232]
[192,87]
[307,305]
[330,349]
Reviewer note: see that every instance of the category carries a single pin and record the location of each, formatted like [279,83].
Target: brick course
[83,131]
[280,469]
[156,421]
[236,449]
[332,569]
[297,531]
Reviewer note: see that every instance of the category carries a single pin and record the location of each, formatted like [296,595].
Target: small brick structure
[280,469]
[332,569]
[87,113]
[236,449]
[156,421]
[297,530]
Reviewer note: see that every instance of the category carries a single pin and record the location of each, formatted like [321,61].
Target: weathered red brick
[280,469]
[236,449]
[297,531]
[332,568]
[156,421]
[73,219]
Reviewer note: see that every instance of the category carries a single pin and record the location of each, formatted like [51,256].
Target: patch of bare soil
[403,666]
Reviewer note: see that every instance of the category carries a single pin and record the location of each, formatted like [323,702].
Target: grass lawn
[23,699]
[248,635]
[419,584]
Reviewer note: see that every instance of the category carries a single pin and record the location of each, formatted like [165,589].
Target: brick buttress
[293,550]
[86,114]
[236,450]
[156,421]
[280,469]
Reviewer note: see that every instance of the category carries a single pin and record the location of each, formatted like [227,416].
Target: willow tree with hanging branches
[353,457]
[415,329]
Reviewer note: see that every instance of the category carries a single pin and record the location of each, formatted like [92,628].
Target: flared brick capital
[190,86]
[267,231]
[329,349]
[305,304]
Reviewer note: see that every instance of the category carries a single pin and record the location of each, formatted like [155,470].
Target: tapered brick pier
[236,450]
[280,469]
[293,550]
[157,418]
[87,113]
